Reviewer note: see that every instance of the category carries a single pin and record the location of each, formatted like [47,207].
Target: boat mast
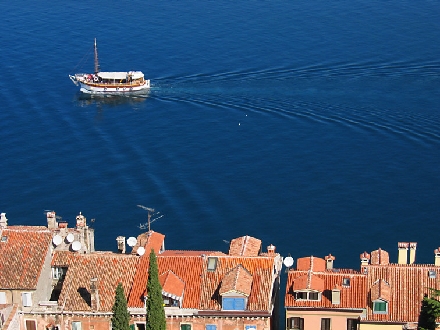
[96,59]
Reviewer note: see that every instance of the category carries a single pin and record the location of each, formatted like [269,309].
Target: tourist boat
[110,82]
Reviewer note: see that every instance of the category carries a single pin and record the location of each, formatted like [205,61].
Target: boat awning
[120,75]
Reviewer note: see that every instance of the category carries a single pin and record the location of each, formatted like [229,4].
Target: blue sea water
[312,125]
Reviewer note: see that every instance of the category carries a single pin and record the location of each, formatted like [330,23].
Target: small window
[313,295]
[233,304]
[301,295]
[336,297]
[380,307]
[185,326]
[4,238]
[251,327]
[58,273]
[295,323]
[76,325]
[346,282]
[212,263]
[325,324]
[432,274]
[352,324]
[31,325]
[26,298]
[210,327]
[2,297]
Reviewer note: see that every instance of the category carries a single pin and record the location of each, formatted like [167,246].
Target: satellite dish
[57,240]
[140,250]
[76,246]
[131,241]
[70,238]
[288,261]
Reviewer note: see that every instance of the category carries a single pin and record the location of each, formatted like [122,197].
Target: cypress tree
[430,311]
[121,316]
[155,310]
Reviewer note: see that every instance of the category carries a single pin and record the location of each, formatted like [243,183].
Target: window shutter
[26,298]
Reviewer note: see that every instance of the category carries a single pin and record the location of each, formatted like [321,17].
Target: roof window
[212,263]
[4,238]
[432,274]
[346,282]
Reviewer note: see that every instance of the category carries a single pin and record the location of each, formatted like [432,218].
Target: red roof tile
[171,284]
[110,269]
[149,240]
[245,246]
[351,296]
[311,263]
[237,280]
[408,283]
[23,251]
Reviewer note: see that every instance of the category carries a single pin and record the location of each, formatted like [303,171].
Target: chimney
[271,250]
[329,261]
[365,259]
[94,296]
[3,221]
[402,258]
[437,256]
[121,243]
[412,252]
[80,220]
[51,220]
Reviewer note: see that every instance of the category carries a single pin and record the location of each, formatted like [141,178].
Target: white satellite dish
[70,238]
[140,250]
[131,241]
[288,261]
[57,240]
[76,246]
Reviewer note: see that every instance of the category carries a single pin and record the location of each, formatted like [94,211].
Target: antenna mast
[150,213]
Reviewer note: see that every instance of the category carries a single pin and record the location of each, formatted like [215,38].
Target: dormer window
[380,307]
[307,295]
[346,282]
[233,303]
[212,263]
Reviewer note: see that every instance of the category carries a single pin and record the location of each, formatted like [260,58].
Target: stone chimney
[437,256]
[365,259]
[80,221]
[51,220]
[94,296]
[402,258]
[121,243]
[412,252]
[3,221]
[271,250]
[329,261]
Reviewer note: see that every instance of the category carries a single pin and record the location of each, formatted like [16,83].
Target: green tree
[155,310]
[430,311]
[121,316]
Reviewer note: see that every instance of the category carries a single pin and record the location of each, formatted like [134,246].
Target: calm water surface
[312,125]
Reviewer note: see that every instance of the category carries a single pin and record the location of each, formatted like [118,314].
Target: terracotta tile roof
[309,281]
[109,268]
[237,280]
[187,268]
[408,283]
[149,240]
[245,246]
[380,257]
[311,263]
[380,290]
[168,253]
[352,296]
[202,286]
[23,250]
[171,284]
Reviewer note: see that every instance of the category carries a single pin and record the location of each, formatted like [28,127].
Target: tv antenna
[151,214]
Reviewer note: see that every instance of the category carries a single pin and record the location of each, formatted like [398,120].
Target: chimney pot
[402,258]
[271,250]
[3,221]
